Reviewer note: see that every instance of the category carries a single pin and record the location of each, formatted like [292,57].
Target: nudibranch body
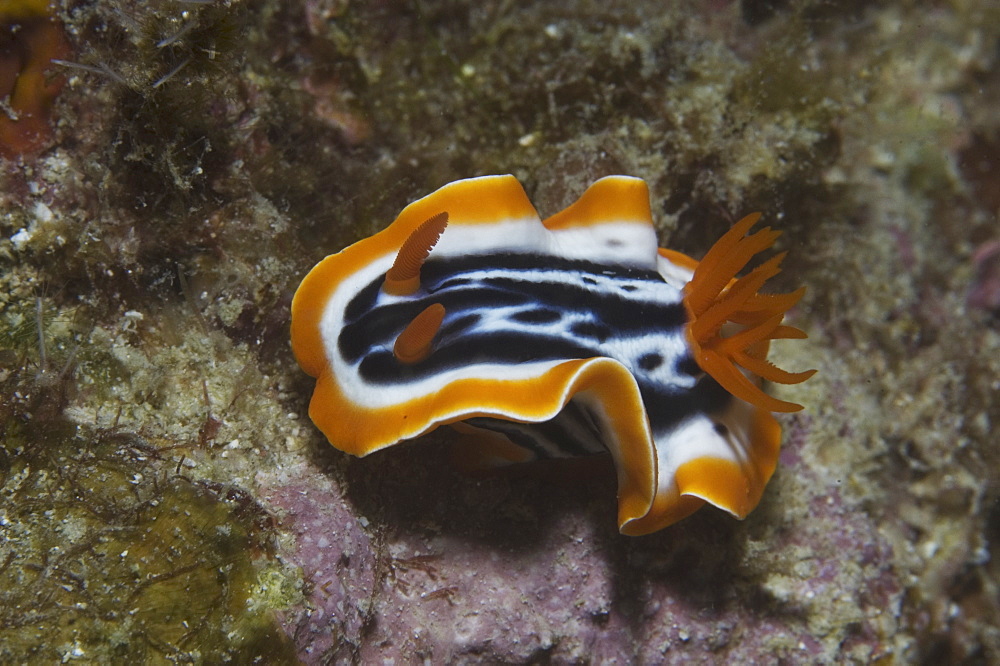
[568,337]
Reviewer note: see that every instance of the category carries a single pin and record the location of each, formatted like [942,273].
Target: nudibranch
[566,337]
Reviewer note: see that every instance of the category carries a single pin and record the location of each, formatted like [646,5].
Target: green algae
[109,556]
[112,550]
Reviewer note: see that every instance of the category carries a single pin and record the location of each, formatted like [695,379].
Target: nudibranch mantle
[568,337]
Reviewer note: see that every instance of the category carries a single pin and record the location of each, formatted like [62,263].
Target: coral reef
[163,496]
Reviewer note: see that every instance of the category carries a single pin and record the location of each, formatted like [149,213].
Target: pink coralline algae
[458,569]
[337,558]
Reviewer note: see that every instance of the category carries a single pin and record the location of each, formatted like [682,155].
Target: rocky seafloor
[165,186]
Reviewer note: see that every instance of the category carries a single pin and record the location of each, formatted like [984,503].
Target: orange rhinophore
[414,343]
[404,277]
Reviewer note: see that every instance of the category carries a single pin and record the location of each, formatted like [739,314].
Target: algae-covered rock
[108,557]
[163,495]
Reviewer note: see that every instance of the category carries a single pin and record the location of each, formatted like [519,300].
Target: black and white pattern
[525,303]
[525,308]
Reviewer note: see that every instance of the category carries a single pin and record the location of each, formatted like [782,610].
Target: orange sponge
[29,40]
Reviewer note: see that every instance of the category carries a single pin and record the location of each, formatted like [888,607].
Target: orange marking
[736,488]
[666,510]
[414,343]
[732,486]
[403,278]
[721,482]
[679,259]
[611,199]
[360,430]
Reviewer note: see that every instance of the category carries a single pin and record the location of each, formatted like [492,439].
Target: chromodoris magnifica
[571,336]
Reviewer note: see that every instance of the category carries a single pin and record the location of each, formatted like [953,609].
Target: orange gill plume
[715,297]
